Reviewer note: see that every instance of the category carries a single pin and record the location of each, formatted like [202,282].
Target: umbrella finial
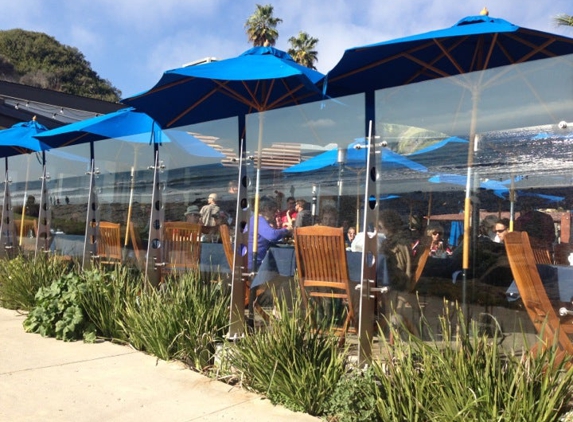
[266,43]
[484,12]
[34,118]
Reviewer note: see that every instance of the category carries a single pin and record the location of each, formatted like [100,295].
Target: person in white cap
[210,212]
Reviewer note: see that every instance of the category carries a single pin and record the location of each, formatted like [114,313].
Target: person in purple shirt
[267,235]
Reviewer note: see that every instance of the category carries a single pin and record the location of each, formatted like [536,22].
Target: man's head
[300,205]
[291,203]
[212,198]
[267,206]
[192,214]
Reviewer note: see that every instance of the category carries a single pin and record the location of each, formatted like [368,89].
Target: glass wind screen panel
[515,123]
[124,183]
[299,155]
[24,172]
[68,187]
[200,160]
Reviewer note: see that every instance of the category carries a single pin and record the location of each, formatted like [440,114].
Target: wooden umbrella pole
[22,218]
[129,207]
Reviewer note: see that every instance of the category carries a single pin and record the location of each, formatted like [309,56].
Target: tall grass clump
[467,377]
[290,361]
[181,320]
[105,297]
[22,277]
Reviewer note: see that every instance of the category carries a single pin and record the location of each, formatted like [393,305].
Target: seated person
[435,233]
[501,228]
[328,216]
[357,244]
[537,224]
[286,217]
[266,234]
[349,236]
[192,215]
[397,248]
[303,216]
[487,226]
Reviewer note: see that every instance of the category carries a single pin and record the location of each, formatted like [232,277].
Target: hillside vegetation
[37,59]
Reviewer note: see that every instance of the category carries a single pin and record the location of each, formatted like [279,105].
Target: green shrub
[290,361]
[22,277]
[105,296]
[469,378]
[58,312]
[355,397]
[183,319]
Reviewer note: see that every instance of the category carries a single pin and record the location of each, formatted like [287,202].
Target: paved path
[43,379]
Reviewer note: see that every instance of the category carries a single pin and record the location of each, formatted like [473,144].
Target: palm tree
[303,49]
[564,20]
[262,26]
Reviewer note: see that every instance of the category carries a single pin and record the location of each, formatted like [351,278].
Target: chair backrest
[532,291]
[540,251]
[24,230]
[109,242]
[225,233]
[181,245]
[228,247]
[136,243]
[424,254]
[322,265]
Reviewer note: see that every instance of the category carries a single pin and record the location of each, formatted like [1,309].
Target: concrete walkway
[43,379]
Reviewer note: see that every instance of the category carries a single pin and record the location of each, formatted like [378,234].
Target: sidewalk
[43,379]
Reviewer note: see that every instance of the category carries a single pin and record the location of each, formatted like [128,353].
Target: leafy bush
[105,296]
[183,319]
[355,397]
[290,361]
[22,277]
[58,312]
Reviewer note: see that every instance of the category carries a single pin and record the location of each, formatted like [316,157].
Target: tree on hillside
[36,59]
[564,20]
[303,49]
[262,26]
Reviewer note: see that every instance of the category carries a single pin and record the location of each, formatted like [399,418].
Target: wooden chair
[540,251]
[424,254]
[322,268]
[533,294]
[26,234]
[229,249]
[136,243]
[109,243]
[181,247]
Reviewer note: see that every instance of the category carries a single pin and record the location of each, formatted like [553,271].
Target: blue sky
[131,42]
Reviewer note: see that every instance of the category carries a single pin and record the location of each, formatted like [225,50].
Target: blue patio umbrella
[475,43]
[260,79]
[356,158]
[125,125]
[449,151]
[19,139]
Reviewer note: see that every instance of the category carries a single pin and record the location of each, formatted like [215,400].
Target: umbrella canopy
[449,151]
[19,139]
[260,79]
[457,179]
[472,44]
[126,125]
[356,158]
[475,43]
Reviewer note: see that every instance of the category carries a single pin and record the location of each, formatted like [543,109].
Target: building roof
[20,103]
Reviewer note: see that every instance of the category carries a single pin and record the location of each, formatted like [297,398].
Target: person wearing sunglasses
[501,229]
